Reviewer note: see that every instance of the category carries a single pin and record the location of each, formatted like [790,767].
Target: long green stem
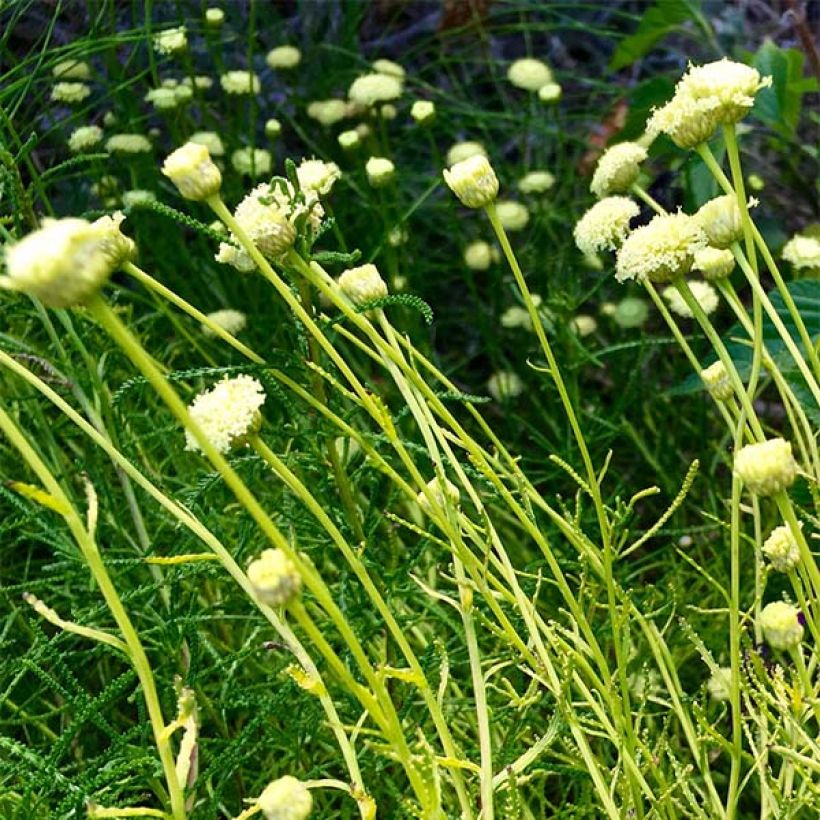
[91,553]
[379,706]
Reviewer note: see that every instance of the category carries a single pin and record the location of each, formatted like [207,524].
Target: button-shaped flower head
[719,219]
[617,169]
[473,181]
[274,577]
[605,225]
[193,171]
[717,382]
[780,622]
[363,284]
[781,549]
[285,799]
[227,413]
[766,468]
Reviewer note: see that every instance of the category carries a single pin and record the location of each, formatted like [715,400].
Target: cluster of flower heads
[534,75]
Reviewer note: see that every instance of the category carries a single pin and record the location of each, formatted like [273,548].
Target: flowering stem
[379,706]
[642,193]
[723,354]
[710,161]
[91,553]
[212,542]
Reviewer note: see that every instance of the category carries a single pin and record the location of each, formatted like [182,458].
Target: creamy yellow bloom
[478,255]
[536,182]
[390,68]
[128,144]
[423,111]
[211,140]
[362,284]
[273,128]
[240,82]
[372,89]
[719,219]
[473,181]
[782,549]
[714,263]
[227,413]
[283,57]
[705,295]
[464,150]
[70,92]
[780,622]
[514,216]
[266,223]
[275,580]
[317,177]
[349,140]
[231,321]
[584,325]
[84,137]
[505,385]
[802,252]
[766,468]
[327,112]
[529,74]
[380,171]
[617,169]
[716,379]
[66,261]
[550,93]
[285,799]
[605,225]
[193,172]
[171,40]
[660,251]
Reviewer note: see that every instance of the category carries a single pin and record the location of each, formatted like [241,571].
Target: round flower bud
[473,181]
[423,111]
[464,150]
[719,219]
[231,321]
[362,284]
[285,799]
[327,112]
[478,255]
[66,261]
[686,122]
[803,253]
[371,89]
[72,70]
[163,99]
[171,40]
[724,87]
[717,381]
[766,468]
[128,144]
[505,385]
[349,140]
[529,74]
[780,622]
[397,237]
[236,257]
[240,82]
[214,17]
[193,172]
[211,140]
[584,325]
[253,163]
[782,549]
[513,215]
[617,169]
[605,225]
[705,295]
[227,413]
[516,316]
[70,92]
[714,263]
[84,137]
[273,128]
[660,251]
[266,224]
[536,182]
[274,577]
[317,177]
[380,171]
[719,684]
[442,495]
[283,57]
[550,93]
[630,312]
[138,198]
[390,68]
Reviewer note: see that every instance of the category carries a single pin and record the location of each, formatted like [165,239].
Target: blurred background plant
[94,95]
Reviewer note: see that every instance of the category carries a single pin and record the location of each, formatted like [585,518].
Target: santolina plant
[509,641]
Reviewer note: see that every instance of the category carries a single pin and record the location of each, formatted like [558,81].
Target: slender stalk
[91,554]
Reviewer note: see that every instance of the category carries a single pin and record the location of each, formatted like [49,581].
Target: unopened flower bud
[423,111]
[473,181]
[780,622]
[363,284]
[380,171]
[766,468]
[274,577]
[714,263]
[193,171]
[782,549]
[717,381]
[719,219]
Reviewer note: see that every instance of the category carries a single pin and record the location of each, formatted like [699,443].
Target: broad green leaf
[660,19]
